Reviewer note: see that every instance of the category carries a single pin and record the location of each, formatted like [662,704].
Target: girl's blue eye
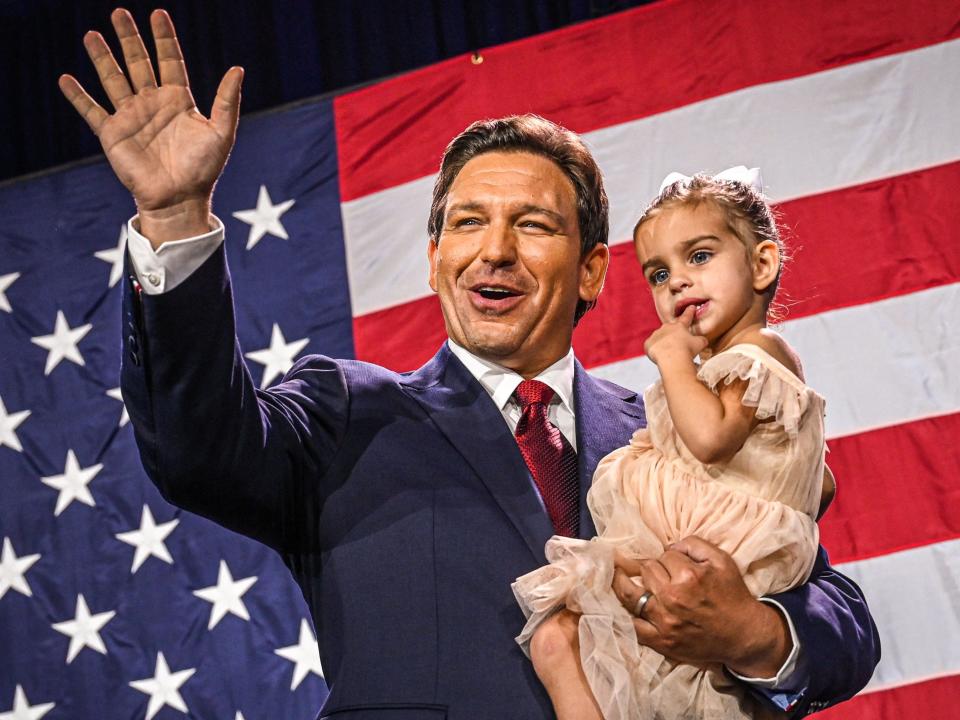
[699,257]
[658,277]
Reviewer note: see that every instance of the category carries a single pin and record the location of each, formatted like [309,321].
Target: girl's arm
[713,427]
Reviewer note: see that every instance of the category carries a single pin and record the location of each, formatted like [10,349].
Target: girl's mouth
[701,305]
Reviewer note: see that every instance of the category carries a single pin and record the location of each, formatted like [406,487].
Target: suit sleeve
[839,643]
[251,460]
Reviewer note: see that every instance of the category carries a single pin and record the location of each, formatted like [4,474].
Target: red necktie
[551,459]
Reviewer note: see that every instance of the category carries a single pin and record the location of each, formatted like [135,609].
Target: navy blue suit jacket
[402,506]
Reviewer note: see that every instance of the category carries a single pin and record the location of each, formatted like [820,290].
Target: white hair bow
[740,173]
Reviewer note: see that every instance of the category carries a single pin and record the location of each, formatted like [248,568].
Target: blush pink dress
[759,507]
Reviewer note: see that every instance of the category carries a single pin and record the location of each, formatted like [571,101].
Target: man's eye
[462,222]
[658,277]
[699,257]
[533,224]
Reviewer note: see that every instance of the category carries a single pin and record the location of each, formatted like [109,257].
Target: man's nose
[499,245]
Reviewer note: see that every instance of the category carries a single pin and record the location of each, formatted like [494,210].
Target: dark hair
[749,215]
[533,134]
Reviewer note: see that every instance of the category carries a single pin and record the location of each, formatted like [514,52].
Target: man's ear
[593,271]
[766,265]
[433,255]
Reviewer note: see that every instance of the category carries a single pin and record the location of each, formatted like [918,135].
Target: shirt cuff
[160,271]
[784,676]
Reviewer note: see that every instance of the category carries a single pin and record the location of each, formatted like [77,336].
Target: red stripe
[859,244]
[402,337]
[616,69]
[852,246]
[896,489]
[926,700]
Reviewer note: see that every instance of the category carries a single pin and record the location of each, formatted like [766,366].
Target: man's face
[507,268]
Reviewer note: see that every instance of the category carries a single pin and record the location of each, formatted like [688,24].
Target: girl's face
[690,256]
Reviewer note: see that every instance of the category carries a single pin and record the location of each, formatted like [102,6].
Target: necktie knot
[550,458]
[533,391]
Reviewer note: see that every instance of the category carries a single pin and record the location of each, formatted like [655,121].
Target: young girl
[733,453]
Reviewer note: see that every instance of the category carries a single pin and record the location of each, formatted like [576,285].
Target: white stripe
[914,596]
[812,134]
[879,364]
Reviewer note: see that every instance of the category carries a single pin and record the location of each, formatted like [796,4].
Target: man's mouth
[701,305]
[495,293]
[495,298]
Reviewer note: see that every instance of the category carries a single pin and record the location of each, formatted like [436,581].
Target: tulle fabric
[652,493]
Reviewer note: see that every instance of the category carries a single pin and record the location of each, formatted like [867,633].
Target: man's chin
[492,343]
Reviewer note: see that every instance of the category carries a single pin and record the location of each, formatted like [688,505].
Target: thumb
[699,550]
[226,105]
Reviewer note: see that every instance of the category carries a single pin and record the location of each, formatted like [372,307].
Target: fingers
[111,77]
[139,67]
[686,317]
[698,549]
[632,567]
[226,105]
[629,594]
[627,589]
[173,71]
[652,576]
[84,104]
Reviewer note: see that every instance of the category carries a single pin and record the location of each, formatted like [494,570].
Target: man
[403,504]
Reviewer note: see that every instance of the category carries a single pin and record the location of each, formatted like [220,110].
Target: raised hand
[160,146]
[673,341]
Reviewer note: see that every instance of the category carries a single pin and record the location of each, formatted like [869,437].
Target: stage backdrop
[114,604]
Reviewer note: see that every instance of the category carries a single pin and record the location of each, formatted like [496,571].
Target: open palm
[159,145]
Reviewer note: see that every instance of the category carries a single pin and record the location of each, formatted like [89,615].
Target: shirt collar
[500,382]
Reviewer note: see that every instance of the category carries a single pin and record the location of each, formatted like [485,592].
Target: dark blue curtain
[291,49]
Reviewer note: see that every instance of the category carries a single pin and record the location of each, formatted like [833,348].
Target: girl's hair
[749,216]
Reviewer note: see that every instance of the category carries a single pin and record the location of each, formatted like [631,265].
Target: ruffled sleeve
[772,389]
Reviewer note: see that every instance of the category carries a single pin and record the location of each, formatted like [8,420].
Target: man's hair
[532,134]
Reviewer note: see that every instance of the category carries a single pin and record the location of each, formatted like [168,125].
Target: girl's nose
[679,282]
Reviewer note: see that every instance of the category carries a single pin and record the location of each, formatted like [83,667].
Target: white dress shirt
[160,271]
[500,383]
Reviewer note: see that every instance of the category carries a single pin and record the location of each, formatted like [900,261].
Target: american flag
[114,604]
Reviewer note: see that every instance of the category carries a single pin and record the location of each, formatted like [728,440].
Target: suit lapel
[464,412]
[607,415]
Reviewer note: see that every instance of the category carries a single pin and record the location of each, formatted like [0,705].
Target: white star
[5,282]
[84,630]
[265,218]
[278,358]
[164,687]
[23,710]
[114,256]
[226,596]
[8,423]
[305,654]
[12,570]
[73,483]
[148,540]
[239,716]
[116,395]
[62,344]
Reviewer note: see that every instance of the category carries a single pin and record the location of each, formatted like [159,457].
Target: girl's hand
[673,341]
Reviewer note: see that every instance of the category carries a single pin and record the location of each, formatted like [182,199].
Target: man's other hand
[701,611]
